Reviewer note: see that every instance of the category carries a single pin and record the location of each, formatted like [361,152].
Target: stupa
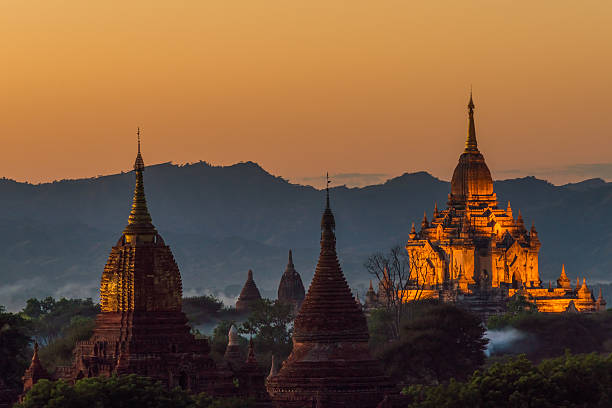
[249,295]
[34,372]
[291,289]
[141,328]
[330,364]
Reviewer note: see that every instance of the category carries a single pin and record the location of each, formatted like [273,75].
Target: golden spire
[470,144]
[139,222]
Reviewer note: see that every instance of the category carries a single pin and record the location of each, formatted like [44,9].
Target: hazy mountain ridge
[221,221]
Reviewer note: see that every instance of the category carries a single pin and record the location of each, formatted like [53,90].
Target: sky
[363,89]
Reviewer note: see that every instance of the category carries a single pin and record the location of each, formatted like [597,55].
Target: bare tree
[401,279]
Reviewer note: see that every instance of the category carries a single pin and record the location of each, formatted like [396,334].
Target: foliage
[271,324]
[50,317]
[59,351]
[517,308]
[14,347]
[549,335]
[440,342]
[393,273]
[202,309]
[380,323]
[569,381]
[119,392]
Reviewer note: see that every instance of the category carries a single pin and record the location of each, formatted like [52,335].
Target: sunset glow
[384,88]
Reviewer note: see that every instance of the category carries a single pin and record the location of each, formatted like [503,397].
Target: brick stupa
[330,365]
[34,373]
[291,289]
[249,295]
[141,328]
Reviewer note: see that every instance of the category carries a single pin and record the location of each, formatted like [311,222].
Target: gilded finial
[470,144]
[138,135]
[139,222]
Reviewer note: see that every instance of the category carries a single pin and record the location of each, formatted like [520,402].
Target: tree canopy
[440,342]
[271,324]
[129,391]
[569,381]
[15,349]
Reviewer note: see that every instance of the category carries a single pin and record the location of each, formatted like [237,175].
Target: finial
[471,103]
[328,181]
[250,275]
[138,135]
[290,258]
[371,287]
[436,213]
[139,221]
[35,356]
[470,144]
[413,230]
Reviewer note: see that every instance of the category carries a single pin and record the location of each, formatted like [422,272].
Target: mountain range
[222,221]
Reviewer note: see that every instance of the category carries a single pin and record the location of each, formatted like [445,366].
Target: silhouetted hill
[221,221]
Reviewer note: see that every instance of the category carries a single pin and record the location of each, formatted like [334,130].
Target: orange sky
[303,87]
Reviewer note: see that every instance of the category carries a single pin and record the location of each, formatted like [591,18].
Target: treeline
[569,381]
[120,392]
[439,351]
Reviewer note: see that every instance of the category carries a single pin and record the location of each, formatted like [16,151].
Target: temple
[249,295]
[291,289]
[34,373]
[480,254]
[141,328]
[249,376]
[330,364]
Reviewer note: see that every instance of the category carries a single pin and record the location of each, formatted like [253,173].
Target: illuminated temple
[141,328]
[479,253]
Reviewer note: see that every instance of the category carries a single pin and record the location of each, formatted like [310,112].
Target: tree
[202,309]
[271,324]
[59,351]
[517,308]
[15,349]
[50,317]
[441,342]
[119,392]
[547,335]
[569,381]
[396,272]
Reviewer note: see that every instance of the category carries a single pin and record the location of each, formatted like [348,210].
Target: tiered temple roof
[476,252]
[330,363]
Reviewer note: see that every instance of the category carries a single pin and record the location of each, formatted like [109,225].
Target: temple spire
[328,181]
[470,144]
[328,223]
[139,222]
